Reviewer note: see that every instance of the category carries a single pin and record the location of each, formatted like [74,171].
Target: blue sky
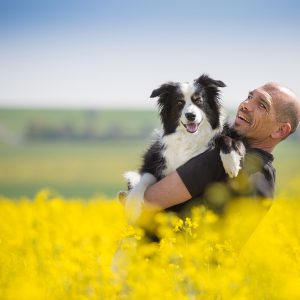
[114,53]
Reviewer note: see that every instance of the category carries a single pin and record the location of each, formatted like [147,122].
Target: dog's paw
[122,195]
[231,163]
[132,178]
[135,199]
[232,154]
[133,207]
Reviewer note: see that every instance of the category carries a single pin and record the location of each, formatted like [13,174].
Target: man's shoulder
[257,160]
[260,171]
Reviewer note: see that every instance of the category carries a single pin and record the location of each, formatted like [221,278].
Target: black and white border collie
[193,121]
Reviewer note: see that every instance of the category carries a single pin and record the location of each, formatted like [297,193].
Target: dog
[193,121]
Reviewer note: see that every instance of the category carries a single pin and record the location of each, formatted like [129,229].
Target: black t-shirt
[207,182]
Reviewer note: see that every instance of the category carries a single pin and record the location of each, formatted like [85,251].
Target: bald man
[269,115]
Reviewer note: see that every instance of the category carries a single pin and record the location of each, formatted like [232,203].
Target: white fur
[135,200]
[231,163]
[179,147]
[133,177]
[223,117]
[189,107]
[187,89]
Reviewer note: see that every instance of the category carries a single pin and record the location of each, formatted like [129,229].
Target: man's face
[256,116]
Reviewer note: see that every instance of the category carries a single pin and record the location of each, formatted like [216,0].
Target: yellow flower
[52,248]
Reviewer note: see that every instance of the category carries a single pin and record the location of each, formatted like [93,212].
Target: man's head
[268,115]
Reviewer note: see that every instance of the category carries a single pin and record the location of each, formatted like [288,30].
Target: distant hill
[27,125]
[40,124]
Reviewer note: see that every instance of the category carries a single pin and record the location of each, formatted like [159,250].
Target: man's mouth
[243,119]
[191,127]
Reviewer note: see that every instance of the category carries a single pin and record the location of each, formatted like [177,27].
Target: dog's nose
[190,116]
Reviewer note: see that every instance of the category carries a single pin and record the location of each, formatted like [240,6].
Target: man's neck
[264,145]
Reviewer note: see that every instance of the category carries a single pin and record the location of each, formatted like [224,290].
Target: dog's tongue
[191,127]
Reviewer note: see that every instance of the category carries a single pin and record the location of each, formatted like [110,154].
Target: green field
[72,169]
[84,169]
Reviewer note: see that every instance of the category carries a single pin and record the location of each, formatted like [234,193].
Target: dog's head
[188,106]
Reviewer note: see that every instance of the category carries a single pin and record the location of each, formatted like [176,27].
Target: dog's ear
[164,89]
[205,80]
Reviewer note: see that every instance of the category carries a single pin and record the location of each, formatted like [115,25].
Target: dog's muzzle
[191,127]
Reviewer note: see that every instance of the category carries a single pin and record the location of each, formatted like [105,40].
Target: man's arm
[167,192]
[188,181]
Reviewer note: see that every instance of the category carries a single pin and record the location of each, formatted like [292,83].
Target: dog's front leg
[132,178]
[135,200]
[232,153]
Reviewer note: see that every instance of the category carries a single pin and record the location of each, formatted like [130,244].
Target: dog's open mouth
[191,127]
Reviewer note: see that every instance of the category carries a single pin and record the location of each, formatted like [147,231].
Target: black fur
[169,95]
[170,104]
[210,88]
[170,111]
[153,161]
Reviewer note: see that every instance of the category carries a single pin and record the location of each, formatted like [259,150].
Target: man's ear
[164,89]
[205,80]
[282,131]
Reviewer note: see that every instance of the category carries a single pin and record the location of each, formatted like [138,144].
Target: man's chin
[239,129]
[236,125]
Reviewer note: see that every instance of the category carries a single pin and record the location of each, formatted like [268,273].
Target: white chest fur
[181,146]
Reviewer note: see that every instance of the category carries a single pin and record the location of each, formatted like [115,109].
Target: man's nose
[246,105]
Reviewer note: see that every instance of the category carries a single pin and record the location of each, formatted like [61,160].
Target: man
[268,115]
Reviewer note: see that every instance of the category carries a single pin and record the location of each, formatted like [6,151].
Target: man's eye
[249,96]
[262,106]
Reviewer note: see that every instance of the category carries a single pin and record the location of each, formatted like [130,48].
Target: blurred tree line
[39,129]
[86,125]
[44,131]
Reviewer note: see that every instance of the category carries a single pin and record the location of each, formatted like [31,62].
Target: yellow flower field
[53,248]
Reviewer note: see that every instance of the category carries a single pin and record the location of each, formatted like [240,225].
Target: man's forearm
[167,192]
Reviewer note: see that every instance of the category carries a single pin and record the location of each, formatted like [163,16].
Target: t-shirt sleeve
[202,170]
[263,182]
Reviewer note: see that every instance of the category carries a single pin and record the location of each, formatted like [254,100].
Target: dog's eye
[198,100]
[180,103]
